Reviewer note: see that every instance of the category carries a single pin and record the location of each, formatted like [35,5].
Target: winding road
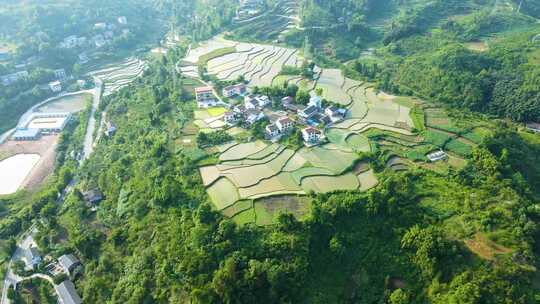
[27,238]
[11,278]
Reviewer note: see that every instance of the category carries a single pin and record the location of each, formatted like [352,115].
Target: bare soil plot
[486,248]
[267,209]
[478,46]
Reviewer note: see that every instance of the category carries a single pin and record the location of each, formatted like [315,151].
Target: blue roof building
[26,134]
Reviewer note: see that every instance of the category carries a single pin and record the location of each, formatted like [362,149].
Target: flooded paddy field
[14,170]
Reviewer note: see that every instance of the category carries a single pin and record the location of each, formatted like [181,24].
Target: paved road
[89,137]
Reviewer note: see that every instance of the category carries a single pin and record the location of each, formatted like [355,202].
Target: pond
[14,170]
[71,103]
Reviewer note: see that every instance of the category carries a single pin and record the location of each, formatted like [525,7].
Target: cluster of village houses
[67,264]
[105,34]
[257,107]
[54,86]
[248,9]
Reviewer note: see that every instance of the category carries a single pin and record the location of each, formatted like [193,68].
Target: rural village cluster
[253,108]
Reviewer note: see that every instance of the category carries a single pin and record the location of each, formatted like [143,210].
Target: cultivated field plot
[255,170]
[332,81]
[209,119]
[206,47]
[272,24]
[119,75]
[258,63]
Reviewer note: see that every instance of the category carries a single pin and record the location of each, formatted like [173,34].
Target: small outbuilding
[533,126]
[55,86]
[93,196]
[437,156]
[68,262]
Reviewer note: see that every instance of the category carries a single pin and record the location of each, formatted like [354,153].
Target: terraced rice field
[367,180]
[256,170]
[258,63]
[117,76]
[331,81]
[223,193]
[272,24]
[323,184]
[206,47]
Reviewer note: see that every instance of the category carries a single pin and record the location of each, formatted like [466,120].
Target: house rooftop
[93,196]
[533,126]
[310,110]
[68,294]
[234,86]
[312,130]
[32,253]
[272,128]
[437,155]
[284,120]
[287,99]
[26,133]
[333,108]
[253,112]
[68,260]
[203,89]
